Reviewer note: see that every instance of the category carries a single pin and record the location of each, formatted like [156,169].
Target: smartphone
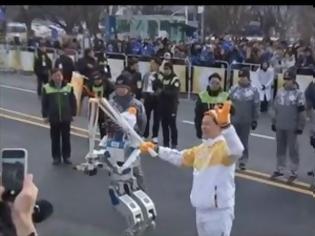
[13,170]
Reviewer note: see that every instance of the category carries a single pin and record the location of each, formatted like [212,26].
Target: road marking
[35,92]
[18,89]
[238,174]
[184,121]
[37,124]
[188,122]
[276,184]
[37,118]
[268,176]
[252,134]
[263,136]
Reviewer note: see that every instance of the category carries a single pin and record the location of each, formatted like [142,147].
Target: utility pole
[186,15]
[201,11]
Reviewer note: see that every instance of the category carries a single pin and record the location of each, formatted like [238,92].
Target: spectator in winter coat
[264,83]
[66,64]
[42,67]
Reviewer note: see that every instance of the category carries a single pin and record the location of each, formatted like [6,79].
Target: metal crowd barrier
[193,78]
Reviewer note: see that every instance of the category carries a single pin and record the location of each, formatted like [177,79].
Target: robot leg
[129,209]
[147,207]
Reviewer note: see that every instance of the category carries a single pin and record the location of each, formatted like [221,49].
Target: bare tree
[226,18]
[306,22]
[92,15]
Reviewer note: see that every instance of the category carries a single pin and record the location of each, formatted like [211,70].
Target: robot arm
[93,114]
[125,120]
[121,120]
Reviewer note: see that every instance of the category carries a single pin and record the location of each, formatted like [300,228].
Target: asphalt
[81,203]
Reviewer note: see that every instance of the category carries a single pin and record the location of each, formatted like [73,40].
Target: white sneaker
[155,140]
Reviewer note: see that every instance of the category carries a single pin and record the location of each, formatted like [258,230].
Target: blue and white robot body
[119,155]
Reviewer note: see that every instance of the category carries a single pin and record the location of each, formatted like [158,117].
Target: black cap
[215,75]
[132,61]
[157,60]
[290,74]
[96,75]
[244,72]
[122,81]
[168,65]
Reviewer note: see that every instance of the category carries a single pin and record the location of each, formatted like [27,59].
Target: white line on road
[241,175]
[188,122]
[16,88]
[262,136]
[184,121]
[252,134]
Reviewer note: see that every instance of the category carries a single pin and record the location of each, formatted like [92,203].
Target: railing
[193,78]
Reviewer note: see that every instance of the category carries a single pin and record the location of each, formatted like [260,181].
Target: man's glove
[263,87]
[273,128]
[299,131]
[222,115]
[145,146]
[254,125]
[312,141]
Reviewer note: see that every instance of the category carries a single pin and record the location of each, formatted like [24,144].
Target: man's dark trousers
[60,130]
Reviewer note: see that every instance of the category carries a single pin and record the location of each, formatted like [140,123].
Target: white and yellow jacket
[214,169]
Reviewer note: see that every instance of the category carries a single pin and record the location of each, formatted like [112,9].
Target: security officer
[66,64]
[310,105]
[207,99]
[132,72]
[103,66]
[99,45]
[246,102]
[122,100]
[168,105]
[151,87]
[58,108]
[42,67]
[288,122]
[87,64]
[101,87]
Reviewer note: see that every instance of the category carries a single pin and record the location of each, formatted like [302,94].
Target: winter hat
[244,72]
[215,75]
[96,75]
[123,81]
[290,74]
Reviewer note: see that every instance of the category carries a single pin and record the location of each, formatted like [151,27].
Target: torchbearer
[213,161]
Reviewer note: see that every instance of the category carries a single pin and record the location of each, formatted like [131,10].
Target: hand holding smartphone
[13,171]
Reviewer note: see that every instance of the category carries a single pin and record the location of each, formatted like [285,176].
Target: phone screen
[13,170]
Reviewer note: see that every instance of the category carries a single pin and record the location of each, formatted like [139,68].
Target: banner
[201,75]
[77,82]
[14,59]
[144,67]
[180,71]
[4,58]
[27,61]
[116,66]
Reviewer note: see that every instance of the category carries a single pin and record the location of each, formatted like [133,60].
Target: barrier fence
[193,78]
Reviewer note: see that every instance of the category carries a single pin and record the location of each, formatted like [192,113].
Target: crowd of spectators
[279,54]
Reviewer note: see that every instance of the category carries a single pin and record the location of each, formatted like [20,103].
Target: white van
[15,29]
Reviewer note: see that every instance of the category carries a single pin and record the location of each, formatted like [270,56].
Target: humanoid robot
[118,157]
